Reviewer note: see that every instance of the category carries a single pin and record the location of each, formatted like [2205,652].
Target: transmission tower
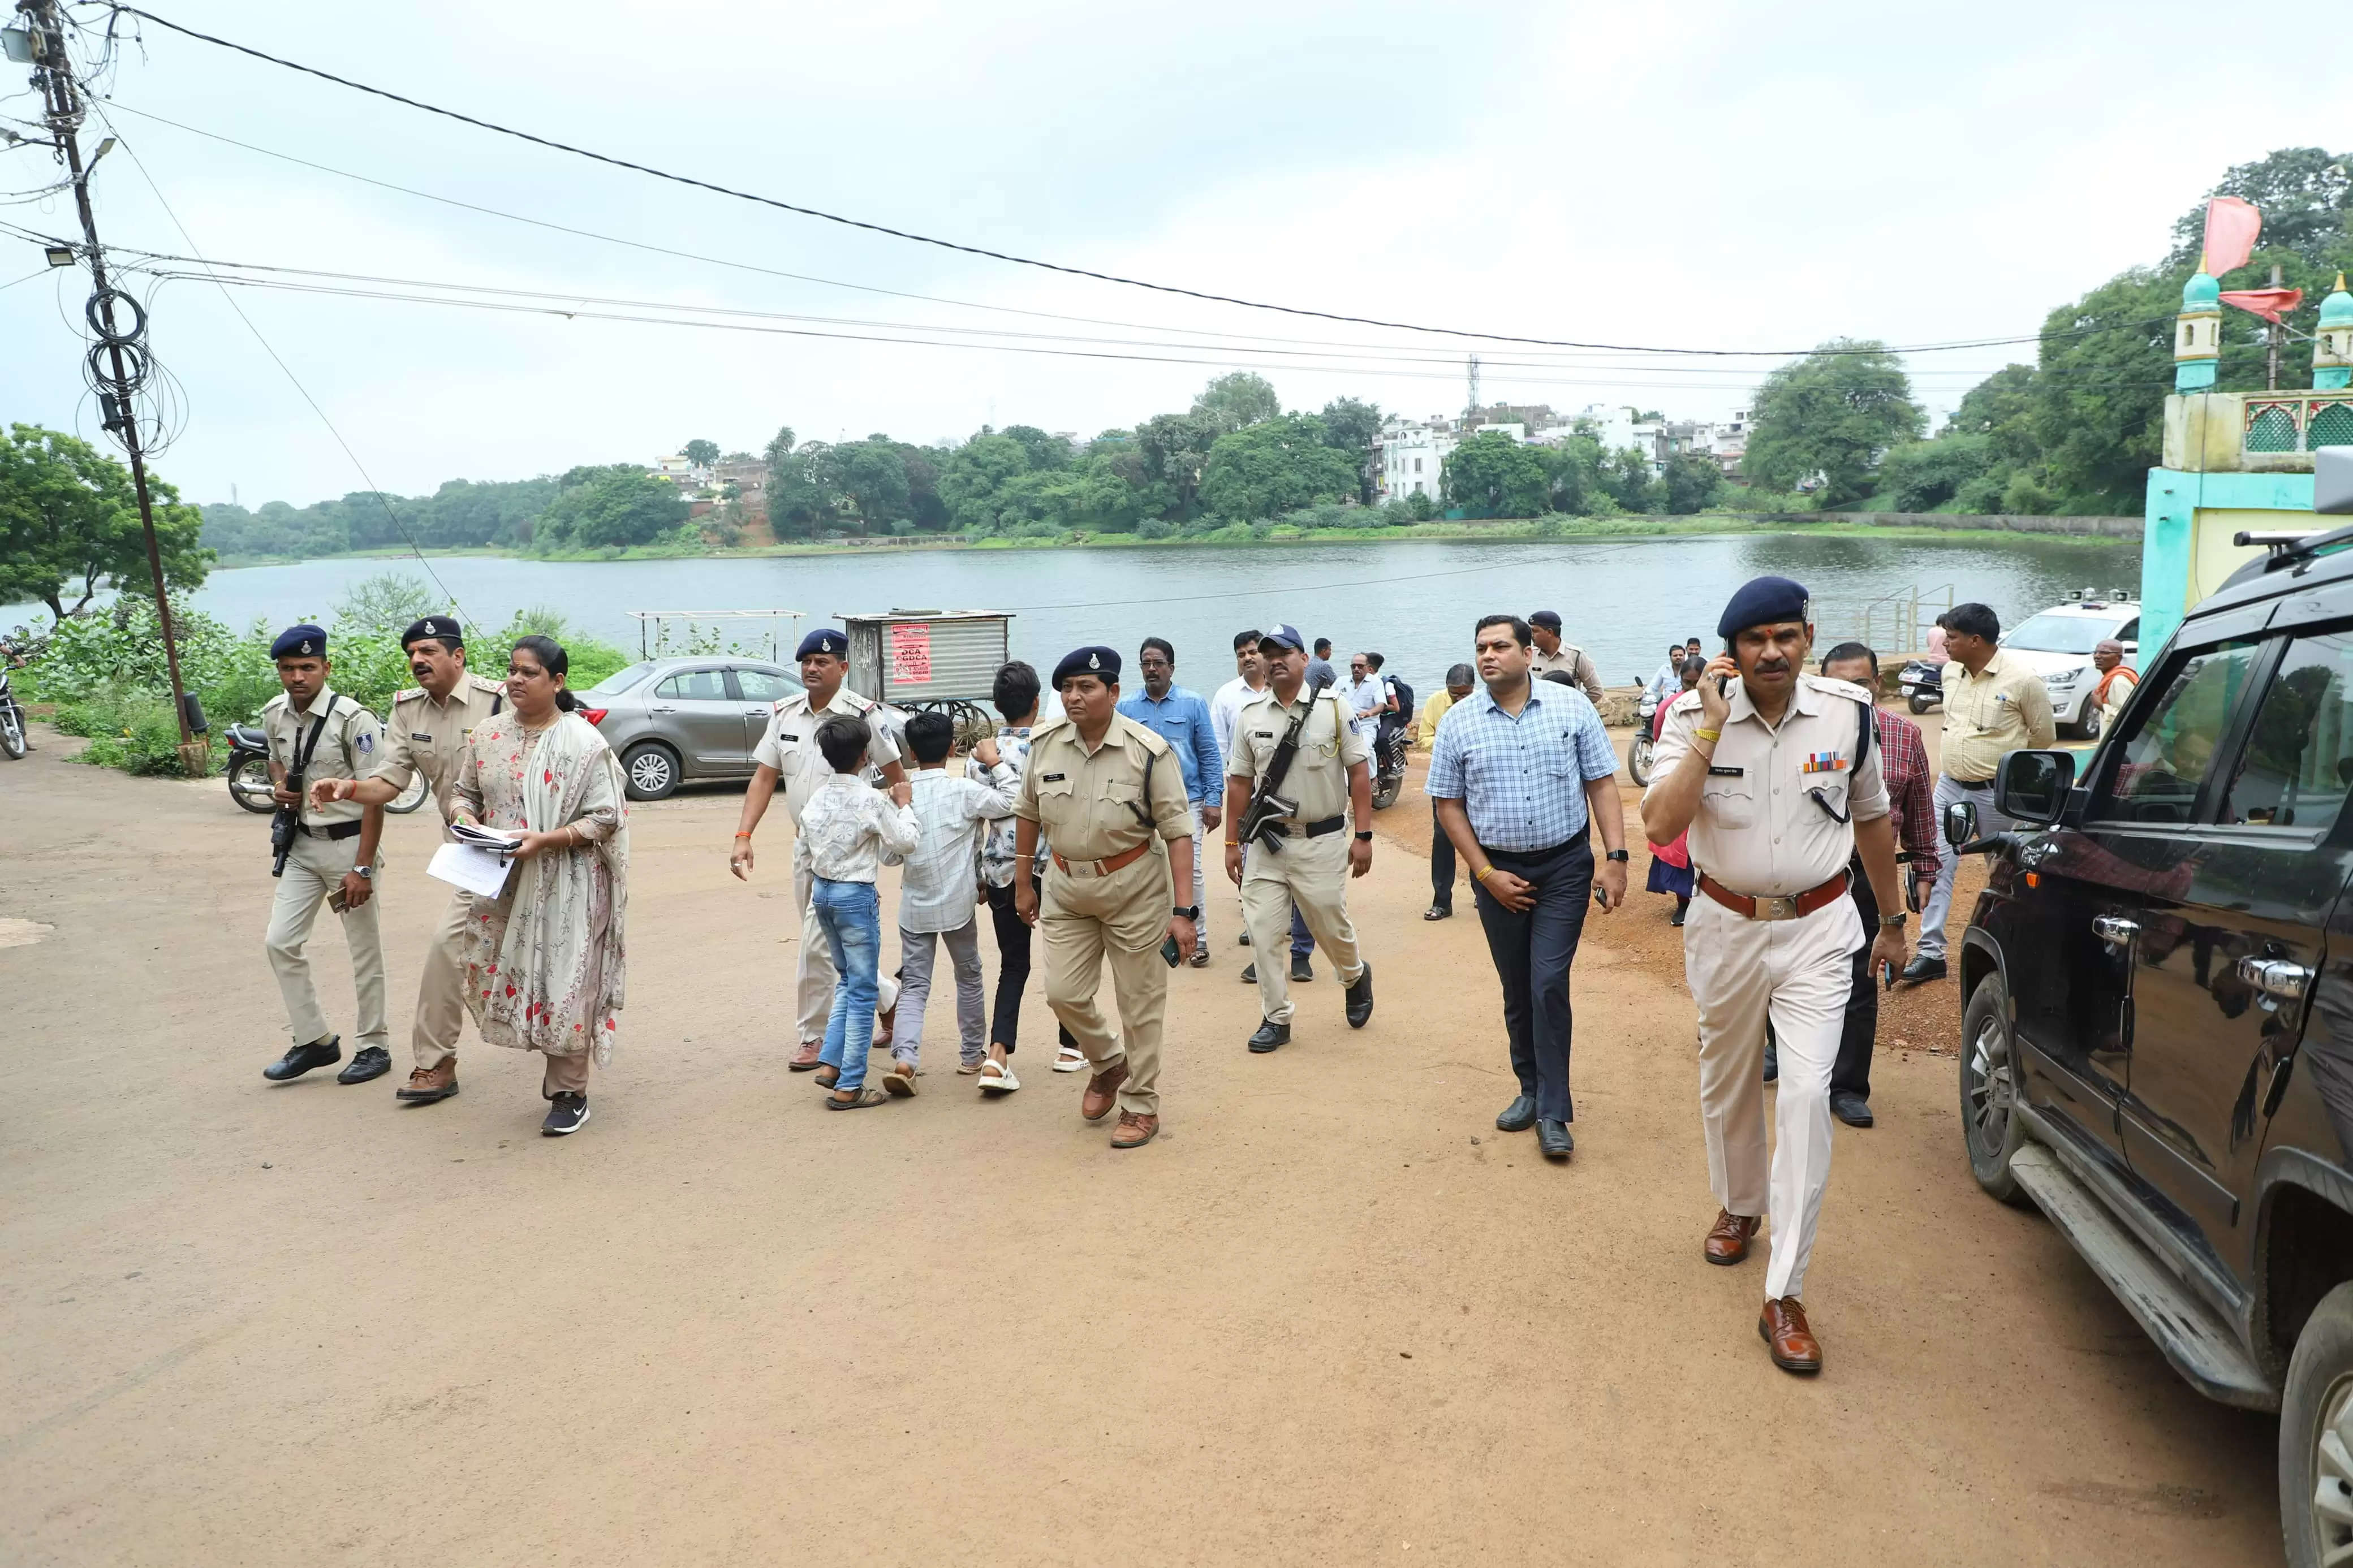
[1471,408]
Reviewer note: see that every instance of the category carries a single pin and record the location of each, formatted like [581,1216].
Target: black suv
[2158,1044]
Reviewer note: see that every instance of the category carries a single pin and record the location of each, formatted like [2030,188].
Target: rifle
[288,818]
[1265,805]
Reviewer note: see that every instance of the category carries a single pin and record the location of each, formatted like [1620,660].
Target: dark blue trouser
[1533,949]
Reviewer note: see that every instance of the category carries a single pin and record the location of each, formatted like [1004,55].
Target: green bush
[1153,528]
[1419,507]
[134,734]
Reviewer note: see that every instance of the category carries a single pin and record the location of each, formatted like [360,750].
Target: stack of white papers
[477,862]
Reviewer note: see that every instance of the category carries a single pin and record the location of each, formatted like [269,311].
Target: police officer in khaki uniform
[1329,777]
[317,733]
[430,721]
[1101,788]
[1552,654]
[1778,783]
[788,751]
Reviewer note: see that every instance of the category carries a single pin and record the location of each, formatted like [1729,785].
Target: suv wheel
[652,769]
[1988,1089]
[2316,1443]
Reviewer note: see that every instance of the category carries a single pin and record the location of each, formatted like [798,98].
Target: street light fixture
[58,255]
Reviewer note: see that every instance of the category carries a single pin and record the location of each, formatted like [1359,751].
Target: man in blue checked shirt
[1182,719]
[1518,774]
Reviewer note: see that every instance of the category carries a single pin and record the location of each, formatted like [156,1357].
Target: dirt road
[1332,1316]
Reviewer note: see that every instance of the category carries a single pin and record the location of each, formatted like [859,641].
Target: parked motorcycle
[249,774]
[1388,756]
[13,743]
[1922,684]
[1639,751]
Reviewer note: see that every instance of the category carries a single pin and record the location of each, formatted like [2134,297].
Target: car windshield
[621,679]
[2053,633]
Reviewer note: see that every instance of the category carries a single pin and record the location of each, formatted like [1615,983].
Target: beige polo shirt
[2003,708]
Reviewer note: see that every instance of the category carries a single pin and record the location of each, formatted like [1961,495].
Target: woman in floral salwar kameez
[544,960]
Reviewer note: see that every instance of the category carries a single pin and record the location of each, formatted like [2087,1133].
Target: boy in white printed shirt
[845,830]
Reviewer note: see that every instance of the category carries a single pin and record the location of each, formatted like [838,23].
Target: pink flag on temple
[2231,226]
[2270,304]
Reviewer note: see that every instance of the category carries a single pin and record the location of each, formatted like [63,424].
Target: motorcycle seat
[248,736]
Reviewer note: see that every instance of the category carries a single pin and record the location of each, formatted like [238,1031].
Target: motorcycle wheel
[1638,760]
[248,783]
[12,729]
[412,798]
[1922,704]
[1385,789]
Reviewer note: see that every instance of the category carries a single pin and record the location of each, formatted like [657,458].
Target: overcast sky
[1705,175]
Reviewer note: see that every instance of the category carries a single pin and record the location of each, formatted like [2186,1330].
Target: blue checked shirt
[1522,779]
[1182,719]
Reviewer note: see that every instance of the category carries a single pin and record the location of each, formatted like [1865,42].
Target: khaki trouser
[1797,974]
[815,974]
[1312,873]
[1123,917]
[441,991]
[313,866]
[564,1075]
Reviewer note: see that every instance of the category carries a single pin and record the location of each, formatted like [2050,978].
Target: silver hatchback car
[671,720]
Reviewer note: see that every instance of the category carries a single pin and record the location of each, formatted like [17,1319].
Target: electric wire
[1010,258]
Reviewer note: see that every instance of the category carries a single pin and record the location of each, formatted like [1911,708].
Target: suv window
[695,686]
[765,685]
[2173,740]
[2293,771]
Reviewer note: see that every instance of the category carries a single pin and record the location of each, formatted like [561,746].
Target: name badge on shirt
[1824,762]
[1051,778]
[420,735]
[1716,772]
[786,735]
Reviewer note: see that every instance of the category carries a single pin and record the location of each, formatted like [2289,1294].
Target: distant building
[680,472]
[1410,454]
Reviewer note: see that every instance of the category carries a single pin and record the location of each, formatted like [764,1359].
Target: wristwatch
[365,871]
[1618,855]
[1893,922]
[1190,911]
[1363,836]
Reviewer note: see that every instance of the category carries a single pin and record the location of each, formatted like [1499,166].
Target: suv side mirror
[1960,824]
[2032,786]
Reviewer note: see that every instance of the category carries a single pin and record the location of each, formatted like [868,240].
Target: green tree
[1273,466]
[70,524]
[974,480]
[1044,452]
[702,453]
[1574,471]
[1238,401]
[2098,404]
[873,474]
[1625,479]
[1174,448]
[1924,475]
[1691,483]
[1831,414]
[1491,474]
[1350,428]
[2306,198]
[610,508]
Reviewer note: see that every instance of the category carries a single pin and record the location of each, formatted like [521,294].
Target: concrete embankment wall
[2104,527]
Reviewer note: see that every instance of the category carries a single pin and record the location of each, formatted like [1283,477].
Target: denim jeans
[850,916]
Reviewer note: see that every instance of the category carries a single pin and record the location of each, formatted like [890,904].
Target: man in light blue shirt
[1180,717]
[1367,694]
[1518,774]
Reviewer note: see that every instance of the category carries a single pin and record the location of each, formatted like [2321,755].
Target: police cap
[1764,602]
[443,629]
[825,639]
[1548,619]
[1100,662]
[1282,634]
[300,642]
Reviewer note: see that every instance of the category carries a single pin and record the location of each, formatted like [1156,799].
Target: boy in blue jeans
[845,831]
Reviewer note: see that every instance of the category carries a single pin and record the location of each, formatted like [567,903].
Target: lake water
[1413,600]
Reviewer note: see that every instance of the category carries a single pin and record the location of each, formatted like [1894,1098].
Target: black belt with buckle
[333,830]
[1312,829]
[1973,783]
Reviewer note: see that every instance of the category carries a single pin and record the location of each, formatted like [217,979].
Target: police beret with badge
[1100,662]
[1548,619]
[443,629]
[825,639]
[300,642]
[1764,602]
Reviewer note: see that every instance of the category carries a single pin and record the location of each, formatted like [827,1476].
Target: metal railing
[1892,624]
[2298,421]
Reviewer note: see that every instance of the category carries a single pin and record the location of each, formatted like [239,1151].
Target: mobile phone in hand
[1170,954]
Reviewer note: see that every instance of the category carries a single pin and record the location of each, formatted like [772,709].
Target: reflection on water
[1414,600]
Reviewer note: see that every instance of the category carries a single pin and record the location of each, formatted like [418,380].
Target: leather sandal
[867,1095]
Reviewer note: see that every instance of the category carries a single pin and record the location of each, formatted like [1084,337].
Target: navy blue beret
[1100,662]
[442,630]
[825,639]
[1764,602]
[300,642]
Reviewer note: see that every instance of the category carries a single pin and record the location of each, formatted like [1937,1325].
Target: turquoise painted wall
[2169,537]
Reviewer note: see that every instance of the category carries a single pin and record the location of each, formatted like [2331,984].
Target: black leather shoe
[1850,1108]
[1772,1064]
[1300,968]
[1270,1037]
[373,1062]
[1360,999]
[299,1059]
[1553,1138]
[1250,974]
[1518,1116]
[1923,968]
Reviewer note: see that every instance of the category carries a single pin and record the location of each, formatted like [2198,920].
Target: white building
[1411,455]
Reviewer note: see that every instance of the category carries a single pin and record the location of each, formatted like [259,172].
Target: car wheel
[1989,1093]
[1920,704]
[652,771]
[2090,728]
[2315,1441]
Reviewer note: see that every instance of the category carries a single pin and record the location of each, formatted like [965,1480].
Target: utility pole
[61,95]
[1472,411]
[2279,330]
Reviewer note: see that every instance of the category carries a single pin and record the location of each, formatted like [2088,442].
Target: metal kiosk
[942,660]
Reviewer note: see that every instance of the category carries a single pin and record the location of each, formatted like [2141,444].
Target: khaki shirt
[2004,709]
[1080,799]
[1318,776]
[347,749]
[1575,661]
[425,736]
[790,744]
[1758,829]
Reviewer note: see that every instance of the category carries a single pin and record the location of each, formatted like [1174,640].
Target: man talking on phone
[1775,775]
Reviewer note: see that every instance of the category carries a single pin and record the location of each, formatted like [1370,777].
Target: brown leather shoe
[1783,1329]
[427,1085]
[1135,1130]
[1102,1091]
[805,1059]
[1728,1237]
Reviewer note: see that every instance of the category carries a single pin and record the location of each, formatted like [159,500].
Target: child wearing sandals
[937,897]
[846,830]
